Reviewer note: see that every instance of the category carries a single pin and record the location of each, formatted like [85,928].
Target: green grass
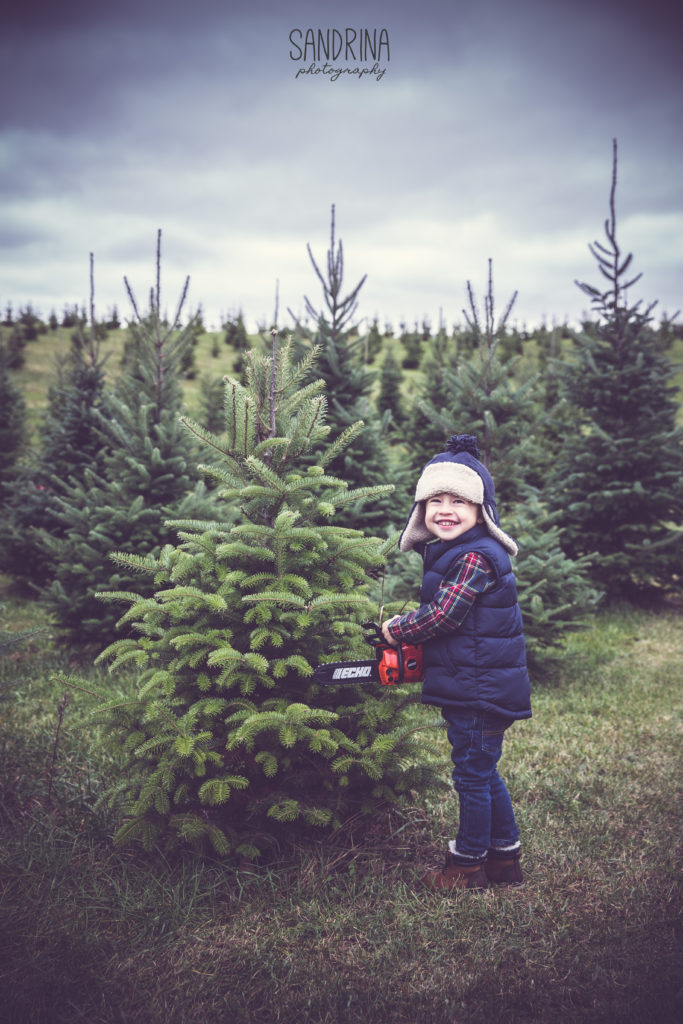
[343,931]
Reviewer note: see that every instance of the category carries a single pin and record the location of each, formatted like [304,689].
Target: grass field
[343,930]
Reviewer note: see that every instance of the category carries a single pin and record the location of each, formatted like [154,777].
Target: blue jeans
[487,821]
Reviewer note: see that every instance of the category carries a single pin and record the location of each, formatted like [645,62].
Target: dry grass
[344,931]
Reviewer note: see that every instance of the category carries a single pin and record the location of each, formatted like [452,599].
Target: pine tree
[71,432]
[230,744]
[236,333]
[412,343]
[366,460]
[148,475]
[339,363]
[237,339]
[482,396]
[211,403]
[12,423]
[431,399]
[71,441]
[372,342]
[556,593]
[619,474]
[391,398]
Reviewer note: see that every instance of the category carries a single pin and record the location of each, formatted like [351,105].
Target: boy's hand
[387,635]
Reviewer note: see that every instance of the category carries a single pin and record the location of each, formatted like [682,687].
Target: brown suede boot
[503,871]
[456,876]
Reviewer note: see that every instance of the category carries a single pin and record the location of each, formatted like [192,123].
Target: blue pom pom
[459,443]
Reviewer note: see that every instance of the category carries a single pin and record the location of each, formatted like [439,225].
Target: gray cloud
[490,135]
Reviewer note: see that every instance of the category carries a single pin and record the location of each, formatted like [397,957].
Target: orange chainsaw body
[400,665]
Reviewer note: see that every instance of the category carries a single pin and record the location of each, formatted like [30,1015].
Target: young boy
[470,626]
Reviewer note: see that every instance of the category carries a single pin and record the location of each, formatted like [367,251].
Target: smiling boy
[447,516]
[470,627]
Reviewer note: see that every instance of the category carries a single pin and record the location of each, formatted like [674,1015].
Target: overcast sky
[485,132]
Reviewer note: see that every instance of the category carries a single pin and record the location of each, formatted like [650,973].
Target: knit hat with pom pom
[457,470]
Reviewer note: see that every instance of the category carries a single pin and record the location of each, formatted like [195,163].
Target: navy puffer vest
[483,664]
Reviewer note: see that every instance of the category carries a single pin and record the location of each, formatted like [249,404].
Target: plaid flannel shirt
[451,603]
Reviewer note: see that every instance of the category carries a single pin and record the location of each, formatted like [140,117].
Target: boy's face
[448,517]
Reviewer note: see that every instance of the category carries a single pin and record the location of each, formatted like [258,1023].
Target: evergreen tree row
[582,441]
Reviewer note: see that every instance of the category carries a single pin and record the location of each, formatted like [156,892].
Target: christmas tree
[431,400]
[12,423]
[366,460]
[481,395]
[390,398]
[619,475]
[557,594]
[71,441]
[148,474]
[372,342]
[238,340]
[230,744]
[211,403]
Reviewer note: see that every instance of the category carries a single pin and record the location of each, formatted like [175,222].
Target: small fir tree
[236,333]
[149,474]
[237,339]
[340,363]
[71,441]
[619,474]
[16,343]
[196,328]
[366,460]
[31,323]
[433,394]
[482,394]
[556,594]
[412,343]
[230,744]
[112,322]
[71,432]
[12,423]
[211,391]
[372,342]
[391,398]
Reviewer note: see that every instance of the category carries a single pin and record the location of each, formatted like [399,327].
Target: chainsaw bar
[334,673]
[392,666]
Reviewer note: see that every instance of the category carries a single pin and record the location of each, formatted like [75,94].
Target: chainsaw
[391,666]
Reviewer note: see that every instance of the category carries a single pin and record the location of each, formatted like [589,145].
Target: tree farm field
[212,359]
[43,355]
[342,930]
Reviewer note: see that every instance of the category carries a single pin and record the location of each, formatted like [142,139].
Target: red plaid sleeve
[447,610]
